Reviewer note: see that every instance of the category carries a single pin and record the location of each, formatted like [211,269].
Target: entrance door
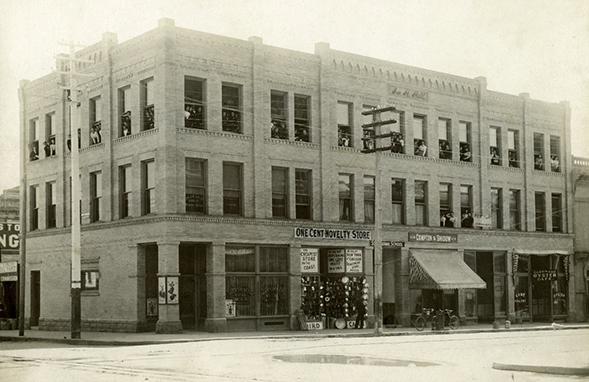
[35,297]
[187,302]
[193,292]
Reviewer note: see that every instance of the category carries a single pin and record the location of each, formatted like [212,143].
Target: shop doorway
[193,286]
[35,298]
[487,304]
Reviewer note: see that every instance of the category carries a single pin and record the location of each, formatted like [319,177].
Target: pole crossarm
[379,110]
[379,123]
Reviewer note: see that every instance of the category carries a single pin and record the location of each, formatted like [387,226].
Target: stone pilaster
[216,322]
[169,314]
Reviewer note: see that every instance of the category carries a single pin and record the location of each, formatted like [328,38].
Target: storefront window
[266,267]
[336,285]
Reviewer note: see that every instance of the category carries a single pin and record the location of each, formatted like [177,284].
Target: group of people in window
[539,162]
[449,220]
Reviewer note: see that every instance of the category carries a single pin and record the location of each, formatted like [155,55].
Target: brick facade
[118,248]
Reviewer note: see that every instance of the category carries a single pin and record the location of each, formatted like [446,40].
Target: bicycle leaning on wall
[429,319]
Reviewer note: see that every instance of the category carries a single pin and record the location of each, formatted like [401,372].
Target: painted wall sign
[407,93]
[335,261]
[322,233]
[309,260]
[433,238]
[9,236]
[354,260]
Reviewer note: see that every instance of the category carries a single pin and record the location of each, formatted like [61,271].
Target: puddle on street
[351,360]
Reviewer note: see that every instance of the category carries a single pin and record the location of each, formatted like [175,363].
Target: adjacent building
[9,251]
[225,188]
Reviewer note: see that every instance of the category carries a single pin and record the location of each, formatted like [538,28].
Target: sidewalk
[150,338]
[566,366]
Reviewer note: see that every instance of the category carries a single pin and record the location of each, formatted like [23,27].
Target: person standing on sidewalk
[361,310]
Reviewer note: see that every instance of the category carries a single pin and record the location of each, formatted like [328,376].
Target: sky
[524,46]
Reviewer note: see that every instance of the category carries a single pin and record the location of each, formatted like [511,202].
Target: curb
[558,370]
[296,335]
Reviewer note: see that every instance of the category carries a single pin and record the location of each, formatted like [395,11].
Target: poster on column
[161,290]
[354,260]
[309,260]
[172,290]
[335,261]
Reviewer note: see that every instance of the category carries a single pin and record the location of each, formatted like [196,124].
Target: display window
[334,290]
[256,283]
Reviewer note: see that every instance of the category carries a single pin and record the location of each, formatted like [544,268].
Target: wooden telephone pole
[374,130]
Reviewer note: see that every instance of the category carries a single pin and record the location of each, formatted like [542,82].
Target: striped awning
[441,269]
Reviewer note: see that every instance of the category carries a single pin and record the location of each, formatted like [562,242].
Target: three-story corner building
[224,188]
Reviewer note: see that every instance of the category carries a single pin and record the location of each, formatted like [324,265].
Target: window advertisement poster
[229,308]
[354,260]
[309,260]
[152,307]
[162,290]
[336,260]
[172,289]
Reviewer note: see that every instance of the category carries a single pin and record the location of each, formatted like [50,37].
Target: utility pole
[76,259]
[374,129]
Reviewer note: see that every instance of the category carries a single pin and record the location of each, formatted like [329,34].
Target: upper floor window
[398,201]
[95,196]
[465,133]
[303,193]
[49,144]
[447,218]
[148,187]
[231,100]
[194,103]
[467,220]
[515,210]
[398,131]
[420,202]
[302,118]
[538,151]
[368,133]
[445,137]
[344,124]
[369,199]
[33,139]
[495,145]
[125,190]
[232,189]
[34,203]
[51,195]
[95,120]
[279,192]
[345,197]
[513,147]
[147,104]
[555,153]
[419,135]
[125,111]
[540,209]
[278,115]
[195,186]
[557,213]
[496,208]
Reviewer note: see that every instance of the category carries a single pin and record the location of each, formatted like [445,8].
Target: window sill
[90,293]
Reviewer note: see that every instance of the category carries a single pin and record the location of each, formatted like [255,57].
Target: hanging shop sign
[9,236]
[309,260]
[389,243]
[353,260]
[544,275]
[336,260]
[433,238]
[9,271]
[323,233]
[484,222]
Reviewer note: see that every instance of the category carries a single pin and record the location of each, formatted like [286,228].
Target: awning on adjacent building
[536,252]
[441,269]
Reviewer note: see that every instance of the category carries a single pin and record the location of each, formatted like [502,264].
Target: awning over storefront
[441,269]
[539,252]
